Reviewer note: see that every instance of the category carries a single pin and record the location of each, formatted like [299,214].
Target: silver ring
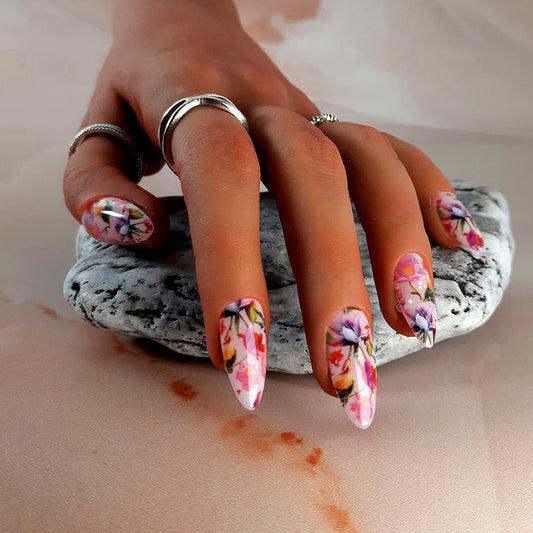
[323,117]
[177,111]
[118,133]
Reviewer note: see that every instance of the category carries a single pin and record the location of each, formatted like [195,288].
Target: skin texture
[165,50]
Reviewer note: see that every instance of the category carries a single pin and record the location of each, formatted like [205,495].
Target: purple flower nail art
[352,367]
[458,222]
[116,221]
[243,340]
[415,297]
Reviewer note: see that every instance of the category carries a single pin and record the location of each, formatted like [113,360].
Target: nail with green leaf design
[458,222]
[352,366]
[415,297]
[243,341]
[116,221]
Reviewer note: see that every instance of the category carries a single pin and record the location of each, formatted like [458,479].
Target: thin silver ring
[323,117]
[177,111]
[118,133]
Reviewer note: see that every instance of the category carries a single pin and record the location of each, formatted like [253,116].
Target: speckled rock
[153,294]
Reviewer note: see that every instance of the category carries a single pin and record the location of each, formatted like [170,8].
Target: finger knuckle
[370,136]
[214,244]
[341,255]
[224,145]
[312,147]
[401,220]
[75,179]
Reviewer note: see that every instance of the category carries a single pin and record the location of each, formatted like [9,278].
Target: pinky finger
[446,218]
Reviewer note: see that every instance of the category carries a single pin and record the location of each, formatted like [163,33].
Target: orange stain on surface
[118,346]
[48,311]
[290,438]
[314,457]
[338,518]
[241,422]
[251,437]
[253,441]
[183,390]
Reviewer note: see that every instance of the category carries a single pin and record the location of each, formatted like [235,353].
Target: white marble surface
[92,435]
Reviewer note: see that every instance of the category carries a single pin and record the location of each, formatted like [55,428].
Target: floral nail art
[116,221]
[351,364]
[243,340]
[415,297]
[457,220]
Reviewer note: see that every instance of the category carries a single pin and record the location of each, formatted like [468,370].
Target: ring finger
[388,208]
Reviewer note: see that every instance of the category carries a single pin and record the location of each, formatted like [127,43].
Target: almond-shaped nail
[351,364]
[243,340]
[458,222]
[116,221]
[415,297]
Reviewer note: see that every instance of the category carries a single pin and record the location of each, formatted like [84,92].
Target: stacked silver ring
[117,133]
[168,122]
[177,111]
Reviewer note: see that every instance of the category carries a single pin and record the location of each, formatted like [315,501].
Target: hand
[165,50]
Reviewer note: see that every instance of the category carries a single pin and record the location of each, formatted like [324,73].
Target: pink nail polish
[415,297]
[243,341]
[351,364]
[458,222]
[116,221]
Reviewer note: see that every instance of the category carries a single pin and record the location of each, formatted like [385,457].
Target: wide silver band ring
[117,133]
[179,109]
[323,117]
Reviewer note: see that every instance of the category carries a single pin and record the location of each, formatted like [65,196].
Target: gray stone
[153,294]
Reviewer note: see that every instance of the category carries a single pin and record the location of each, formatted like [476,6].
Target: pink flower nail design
[243,341]
[351,364]
[116,221]
[415,297]
[457,220]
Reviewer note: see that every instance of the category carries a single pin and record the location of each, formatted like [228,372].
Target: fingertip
[106,202]
[118,220]
[457,222]
[242,333]
[415,297]
[446,218]
[352,365]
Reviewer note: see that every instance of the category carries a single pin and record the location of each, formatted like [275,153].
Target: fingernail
[415,297]
[458,222]
[351,364]
[116,221]
[243,341]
